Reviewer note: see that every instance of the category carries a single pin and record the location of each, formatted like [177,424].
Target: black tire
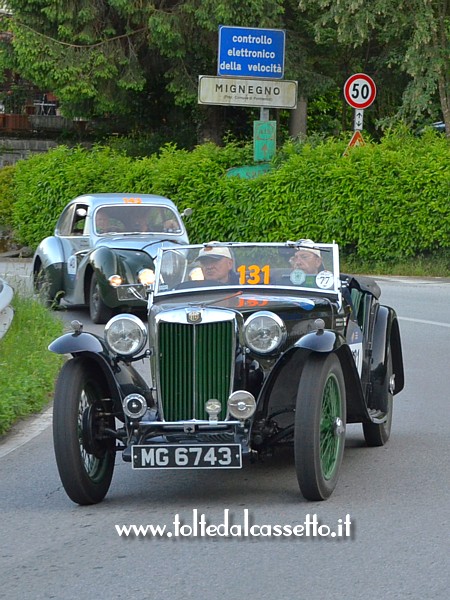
[319,427]
[377,434]
[85,460]
[99,312]
[42,288]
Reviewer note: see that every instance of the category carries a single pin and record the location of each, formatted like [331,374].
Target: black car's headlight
[146,276]
[125,335]
[264,332]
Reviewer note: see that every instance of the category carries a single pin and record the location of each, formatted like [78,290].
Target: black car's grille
[195,365]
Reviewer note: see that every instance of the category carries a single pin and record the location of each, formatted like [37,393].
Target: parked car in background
[102,241]
[248,347]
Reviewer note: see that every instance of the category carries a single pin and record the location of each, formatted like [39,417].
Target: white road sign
[228,91]
[360,90]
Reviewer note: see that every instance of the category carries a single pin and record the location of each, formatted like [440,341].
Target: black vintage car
[248,346]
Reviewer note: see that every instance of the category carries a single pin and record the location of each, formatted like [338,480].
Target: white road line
[27,432]
[424,322]
[412,280]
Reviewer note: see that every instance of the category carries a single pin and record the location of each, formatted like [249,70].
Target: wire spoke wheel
[330,419]
[93,464]
[320,418]
[85,455]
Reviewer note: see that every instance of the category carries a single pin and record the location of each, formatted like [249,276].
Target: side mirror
[187,212]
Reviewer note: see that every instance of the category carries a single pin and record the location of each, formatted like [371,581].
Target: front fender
[285,374]
[121,378]
[126,263]
[106,261]
[322,340]
[282,384]
[73,343]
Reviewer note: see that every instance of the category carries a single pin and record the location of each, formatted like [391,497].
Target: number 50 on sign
[360,91]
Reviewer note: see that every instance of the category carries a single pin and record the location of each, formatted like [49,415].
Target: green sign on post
[249,171]
[264,140]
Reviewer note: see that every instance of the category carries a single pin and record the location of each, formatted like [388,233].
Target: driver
[103,223]
[217,264]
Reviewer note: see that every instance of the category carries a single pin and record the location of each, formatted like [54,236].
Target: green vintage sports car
[102,241]
[247,347]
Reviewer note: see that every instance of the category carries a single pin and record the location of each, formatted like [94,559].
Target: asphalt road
[397,498]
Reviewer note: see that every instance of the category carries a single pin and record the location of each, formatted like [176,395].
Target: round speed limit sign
[360,90]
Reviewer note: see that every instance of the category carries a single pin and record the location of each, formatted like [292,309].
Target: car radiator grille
[195,365]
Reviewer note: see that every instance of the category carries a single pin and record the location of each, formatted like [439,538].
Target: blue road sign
[251,52]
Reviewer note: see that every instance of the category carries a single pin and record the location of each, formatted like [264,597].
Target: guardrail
[6,312]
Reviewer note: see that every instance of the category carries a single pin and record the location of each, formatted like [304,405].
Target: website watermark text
[199,526]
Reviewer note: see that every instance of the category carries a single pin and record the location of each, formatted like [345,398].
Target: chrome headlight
[125,335]
[264,332]
[146,276]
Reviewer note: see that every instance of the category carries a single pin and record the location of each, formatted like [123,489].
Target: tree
[93,55]
[321,64]
[317,66]
[104,57]
[416,34]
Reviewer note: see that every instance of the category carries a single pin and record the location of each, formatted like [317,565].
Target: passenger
[171,225]
[152,220]
[308,260]
[306,263]
[165,221]
[217,265]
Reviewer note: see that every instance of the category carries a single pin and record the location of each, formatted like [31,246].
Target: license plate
[196,456]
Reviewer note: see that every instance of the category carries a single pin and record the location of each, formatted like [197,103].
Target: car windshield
[135,218]
[291,265]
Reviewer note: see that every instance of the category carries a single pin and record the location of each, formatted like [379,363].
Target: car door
[75,240]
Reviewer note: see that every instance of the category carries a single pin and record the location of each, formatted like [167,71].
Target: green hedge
[6,195]
[45,183]
[388,200]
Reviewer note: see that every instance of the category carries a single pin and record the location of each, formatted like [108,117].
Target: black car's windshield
[295,265]
[135,219]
